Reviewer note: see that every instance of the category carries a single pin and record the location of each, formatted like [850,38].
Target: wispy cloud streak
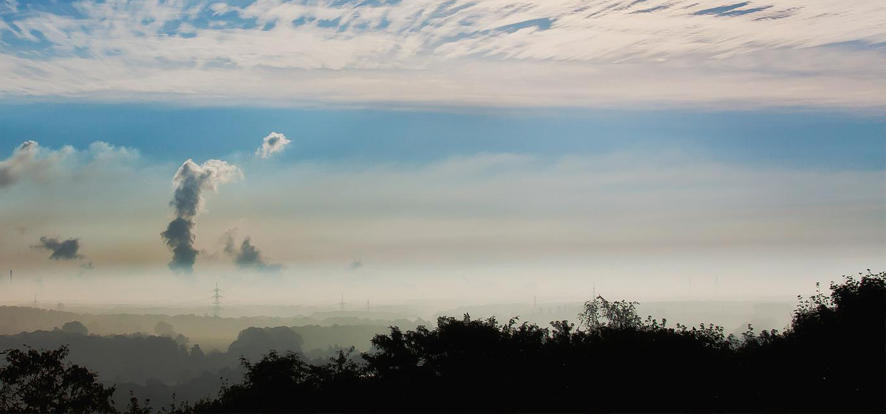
[428,52]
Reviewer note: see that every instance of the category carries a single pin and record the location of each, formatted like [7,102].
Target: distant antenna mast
[10,275]
[341,303]
[216,301]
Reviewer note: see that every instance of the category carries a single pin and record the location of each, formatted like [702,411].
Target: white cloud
[273,143]
[21,160]
[102,151]
[553,52]
[31,162]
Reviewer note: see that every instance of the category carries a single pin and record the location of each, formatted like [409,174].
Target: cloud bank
[22,158]
[31,162]
[190,182]
[459,52]
[273,143]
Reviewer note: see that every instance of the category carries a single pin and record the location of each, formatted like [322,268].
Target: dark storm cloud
[190,181]
[61,249]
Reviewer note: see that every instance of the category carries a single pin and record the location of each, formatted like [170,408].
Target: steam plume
[190,181]
[247,256]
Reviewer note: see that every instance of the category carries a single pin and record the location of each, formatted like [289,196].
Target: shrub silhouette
[40,382]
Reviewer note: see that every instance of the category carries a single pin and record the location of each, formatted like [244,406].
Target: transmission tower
[216,301]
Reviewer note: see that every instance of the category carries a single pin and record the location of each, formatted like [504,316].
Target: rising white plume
[190,181]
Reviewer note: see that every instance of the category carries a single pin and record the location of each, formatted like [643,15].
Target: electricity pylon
[216,301]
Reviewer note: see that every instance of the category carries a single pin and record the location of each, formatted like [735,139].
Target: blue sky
[805,139]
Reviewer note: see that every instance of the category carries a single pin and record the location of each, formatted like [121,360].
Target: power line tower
[216,301]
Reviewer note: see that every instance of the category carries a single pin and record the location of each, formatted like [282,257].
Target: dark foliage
[155,367]
[831,359]
[34,381]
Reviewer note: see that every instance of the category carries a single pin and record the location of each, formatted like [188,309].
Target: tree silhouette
[39,381]
[620,314]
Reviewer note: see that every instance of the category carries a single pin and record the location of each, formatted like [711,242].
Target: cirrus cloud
[460,52]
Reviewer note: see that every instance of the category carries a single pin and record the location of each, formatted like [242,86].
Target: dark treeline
[832,358]
[156,366]
[318,330]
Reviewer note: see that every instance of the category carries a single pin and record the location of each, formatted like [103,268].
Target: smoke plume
[190,181]
[61,249]
[247,256]
[273,143]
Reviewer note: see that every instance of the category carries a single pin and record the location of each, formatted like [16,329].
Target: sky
[473,151]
